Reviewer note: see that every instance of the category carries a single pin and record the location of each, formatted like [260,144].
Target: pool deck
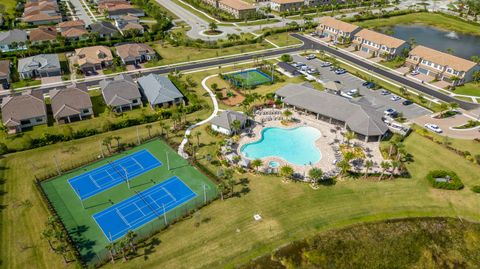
[325,143]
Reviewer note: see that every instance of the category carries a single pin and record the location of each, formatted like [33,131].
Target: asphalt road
[309,44]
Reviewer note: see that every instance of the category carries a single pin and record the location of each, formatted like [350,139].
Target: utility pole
[56,164]
[126,176]
[101,150]
[81,201]
[168,161]
[164,215]
[138,137]
[204,194]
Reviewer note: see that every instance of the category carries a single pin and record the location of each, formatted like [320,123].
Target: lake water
[463,45]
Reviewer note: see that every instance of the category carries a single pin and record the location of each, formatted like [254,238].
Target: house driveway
[48,80]
[447,124]
[441,84]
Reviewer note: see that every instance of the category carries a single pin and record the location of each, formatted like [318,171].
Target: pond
[463,45]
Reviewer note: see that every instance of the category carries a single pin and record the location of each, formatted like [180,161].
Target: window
[24,122]
[135,101]
[86,110]
[39,119]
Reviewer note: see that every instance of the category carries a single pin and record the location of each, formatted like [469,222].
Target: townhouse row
[433,63]
[23,111]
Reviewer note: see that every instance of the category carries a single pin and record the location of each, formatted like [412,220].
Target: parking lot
[375,97]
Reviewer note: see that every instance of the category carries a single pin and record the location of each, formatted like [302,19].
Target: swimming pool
[296,146]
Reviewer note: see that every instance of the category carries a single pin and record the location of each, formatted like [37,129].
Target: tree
[257,163]
[148,127]
[117,139]
[62,249]
[453,105]
[315,174]
[212,26]
[111,250]
[395,165]
[287,113]
[167,129]
[221,189]
[47,234]
[368,166]
[197,135]
[162,126]
[349,135]
[443,108]
[286,58]
[385,166]
[107,141]
[236,126]
[344,166]
[130,237]
[286,171]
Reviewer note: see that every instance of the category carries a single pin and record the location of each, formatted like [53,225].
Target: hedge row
[453,183]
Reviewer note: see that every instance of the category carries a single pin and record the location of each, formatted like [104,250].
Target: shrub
[454,182]
[476,189]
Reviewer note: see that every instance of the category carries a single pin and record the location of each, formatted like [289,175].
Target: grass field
[70,209]
[283,39]
[431,19]
[471,88]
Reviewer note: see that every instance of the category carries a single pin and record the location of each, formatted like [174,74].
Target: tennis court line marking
[138,208]
[135,160]
[121,216]
[94,182]
[173,197]
[155,201]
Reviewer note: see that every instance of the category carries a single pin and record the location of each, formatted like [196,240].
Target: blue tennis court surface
[143,207]
[104,177]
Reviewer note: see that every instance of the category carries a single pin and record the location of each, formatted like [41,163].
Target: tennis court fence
[145,232]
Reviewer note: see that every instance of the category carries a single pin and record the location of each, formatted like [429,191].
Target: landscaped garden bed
[442,179]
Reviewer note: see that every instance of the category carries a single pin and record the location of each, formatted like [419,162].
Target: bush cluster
[453,184]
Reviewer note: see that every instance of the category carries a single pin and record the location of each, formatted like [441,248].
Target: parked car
[325,64]
[294,64]
[407,102]
[433,127]
[395,98]
[338,81]
[365,83]
[340,71]
[304,68]
[352,92]
[312,71]
[414,73]
[310,57]
[390,113]
[385,92]
[313,34]
[300,65]
[369,85]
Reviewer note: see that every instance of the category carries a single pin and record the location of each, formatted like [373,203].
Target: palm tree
[162,126]
[198,134]
[368,165]
[315,174]
[221,189]
[236,126]
[231,183]
[385,166]
[148,127]
[111,249]
[167,128]
[256,164]
[344,166]
[107,141]
[399,148]
[395,165]
[130,237]
[287,113]
[453,105]
[62,249]
[286,172]
[117,139]
[443,108]
[349,135]
[212,26]
[121,248]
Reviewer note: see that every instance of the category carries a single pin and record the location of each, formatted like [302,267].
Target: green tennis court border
[88,237]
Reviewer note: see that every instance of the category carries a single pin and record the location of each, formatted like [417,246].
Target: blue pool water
[296,146]
[273,164]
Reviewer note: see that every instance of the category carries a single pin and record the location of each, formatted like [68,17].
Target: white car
[433,127]
[312,71]
[414,73]
[326,64]
[395,98]
[352,92]
[385,92]
[311,57]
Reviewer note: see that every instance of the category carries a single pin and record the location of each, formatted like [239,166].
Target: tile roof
[43,33]
[287,1]
[38,62]
[28,105]
[69,101]
[66,24]
[237,4]
[103,27]
[93,55]
[133,50]
[227,117]
[380,39]
[159,89]
[443,58]
[74,32]
[338,24]
[360,117]
[119,91]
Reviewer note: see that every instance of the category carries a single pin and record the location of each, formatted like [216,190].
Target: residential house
[286,5]
[5,66]
[225,122]
[13,40]
[116,9]
[129,23]
[73,29]
[23,111]
[441,65]
[160,91]
[358,116]
[121,93]
[315,3]
[103,29]
[135,53]
[90,59]
[43,34]
[379,45]
[41,12]
[42,65]
[336,30]
[237,8]
[71,104]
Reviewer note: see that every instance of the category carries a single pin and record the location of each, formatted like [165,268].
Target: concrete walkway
[181,151]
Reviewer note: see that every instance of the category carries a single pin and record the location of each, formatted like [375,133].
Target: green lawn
[73,215]
[26,83]
[471,88]
[432,19]
[283,39]
[258,22]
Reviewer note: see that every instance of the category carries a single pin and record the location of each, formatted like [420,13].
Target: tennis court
[143,207]
[113,173]
[249,78]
